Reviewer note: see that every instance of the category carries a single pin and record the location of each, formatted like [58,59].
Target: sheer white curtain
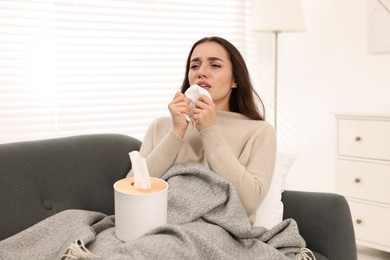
[94,66]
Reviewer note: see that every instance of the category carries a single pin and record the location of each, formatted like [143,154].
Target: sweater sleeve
[251,180]
[160,151]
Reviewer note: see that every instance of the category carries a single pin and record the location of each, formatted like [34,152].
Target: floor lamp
[276,16]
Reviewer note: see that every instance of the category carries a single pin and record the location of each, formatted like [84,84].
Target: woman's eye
[194,66]
[215,65]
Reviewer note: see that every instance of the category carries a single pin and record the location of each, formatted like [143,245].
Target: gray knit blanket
[206,220]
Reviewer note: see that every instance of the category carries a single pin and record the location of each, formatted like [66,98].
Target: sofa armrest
[324,221]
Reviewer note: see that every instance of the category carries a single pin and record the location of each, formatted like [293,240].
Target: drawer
[364,138]
[364,180]
[371,222]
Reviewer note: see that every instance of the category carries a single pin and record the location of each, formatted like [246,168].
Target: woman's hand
[204,114]
[179,106]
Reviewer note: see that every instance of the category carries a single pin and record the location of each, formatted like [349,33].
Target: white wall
[323,70]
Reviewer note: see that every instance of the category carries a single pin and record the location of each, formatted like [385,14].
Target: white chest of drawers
[363,175]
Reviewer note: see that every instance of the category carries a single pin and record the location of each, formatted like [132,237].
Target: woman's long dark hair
[242,98]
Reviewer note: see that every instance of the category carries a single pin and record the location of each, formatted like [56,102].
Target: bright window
[93,66]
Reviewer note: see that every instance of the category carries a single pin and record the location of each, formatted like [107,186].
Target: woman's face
[210,68]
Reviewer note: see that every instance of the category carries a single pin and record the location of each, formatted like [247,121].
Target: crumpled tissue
[193,93]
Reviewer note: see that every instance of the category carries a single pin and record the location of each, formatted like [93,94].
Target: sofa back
[41,178]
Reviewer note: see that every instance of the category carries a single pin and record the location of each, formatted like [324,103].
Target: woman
[227,134]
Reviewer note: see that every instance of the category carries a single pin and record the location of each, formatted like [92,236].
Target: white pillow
[270,211]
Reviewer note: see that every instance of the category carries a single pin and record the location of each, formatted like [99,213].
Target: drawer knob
[357,180]
[359,221]
[358,138]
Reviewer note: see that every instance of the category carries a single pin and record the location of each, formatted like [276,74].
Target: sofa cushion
[38,181]
[270,211]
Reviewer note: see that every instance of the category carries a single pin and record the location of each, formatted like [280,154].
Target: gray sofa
[41,178]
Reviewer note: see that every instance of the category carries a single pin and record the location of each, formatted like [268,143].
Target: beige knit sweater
[237,148]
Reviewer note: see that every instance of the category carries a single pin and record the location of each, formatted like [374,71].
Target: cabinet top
[363,115]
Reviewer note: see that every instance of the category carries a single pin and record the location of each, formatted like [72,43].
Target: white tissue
[140,171]
[193,93]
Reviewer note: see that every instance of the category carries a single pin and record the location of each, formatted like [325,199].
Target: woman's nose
[202,72]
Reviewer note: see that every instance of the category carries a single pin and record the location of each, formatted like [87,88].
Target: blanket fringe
[305,254]
[77,250]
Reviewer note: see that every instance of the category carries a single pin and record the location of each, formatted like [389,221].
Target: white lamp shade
[276,16]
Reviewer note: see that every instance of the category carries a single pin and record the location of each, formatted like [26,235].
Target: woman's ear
[234,84]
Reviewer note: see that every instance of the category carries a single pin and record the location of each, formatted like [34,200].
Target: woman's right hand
[179,106]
